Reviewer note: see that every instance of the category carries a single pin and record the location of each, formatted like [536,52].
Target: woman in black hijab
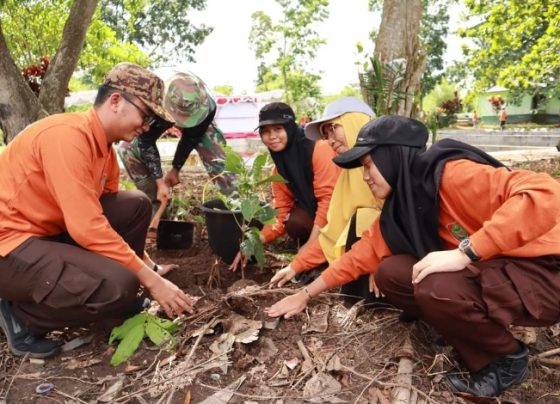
[462,243]
[302,202]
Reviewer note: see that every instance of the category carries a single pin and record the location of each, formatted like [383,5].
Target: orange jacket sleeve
[309,258]
[363,258]
[283,202]
[325,174]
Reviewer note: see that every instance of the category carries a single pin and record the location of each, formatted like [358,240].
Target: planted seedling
[251,182]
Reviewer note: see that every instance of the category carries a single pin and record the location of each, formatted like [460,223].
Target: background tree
[413,32]
[286,48]
[515,44]
[160,27]
[18,104]
[398,38]
[224,89]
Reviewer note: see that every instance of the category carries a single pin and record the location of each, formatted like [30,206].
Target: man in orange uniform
[462,243]
[71,244]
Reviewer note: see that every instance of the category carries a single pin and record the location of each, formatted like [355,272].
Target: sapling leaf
[233,162]
[252,246]
[249,207]
[128,345]
[159,335]
[120,332]
[258,164]
[272,178]
[266,215]
[167,325]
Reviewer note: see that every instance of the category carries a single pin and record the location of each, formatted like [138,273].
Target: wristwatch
[466,248]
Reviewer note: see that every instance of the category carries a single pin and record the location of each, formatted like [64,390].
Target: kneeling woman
[462,243]
[310,174]
[353,207]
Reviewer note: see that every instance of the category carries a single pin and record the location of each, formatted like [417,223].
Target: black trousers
[53,283]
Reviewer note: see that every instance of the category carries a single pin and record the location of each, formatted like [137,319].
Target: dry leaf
[528,335]
[318,319]
[244,330]
[267,351]
[292,363]
[318,388]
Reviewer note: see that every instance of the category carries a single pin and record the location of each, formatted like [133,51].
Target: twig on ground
[548,353]
[75,399]
[142,390]
[15,375]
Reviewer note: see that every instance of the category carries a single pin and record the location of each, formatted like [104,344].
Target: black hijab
[295,164]
[409,219]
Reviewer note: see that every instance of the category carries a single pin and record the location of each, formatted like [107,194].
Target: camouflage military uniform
[142,161]
[189,102]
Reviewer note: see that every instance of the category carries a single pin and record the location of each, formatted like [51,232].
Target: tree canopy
[285,49]
[132,30]
[515,44]
[160,27]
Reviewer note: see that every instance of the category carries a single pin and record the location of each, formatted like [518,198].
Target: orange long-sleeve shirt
[54,173]
[325,173]
[505,213]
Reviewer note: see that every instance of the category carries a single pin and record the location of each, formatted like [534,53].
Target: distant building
[529,110]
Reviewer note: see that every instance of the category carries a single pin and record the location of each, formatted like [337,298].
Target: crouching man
[71,244]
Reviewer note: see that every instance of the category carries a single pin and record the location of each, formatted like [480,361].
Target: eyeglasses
[328,129]
[147,118]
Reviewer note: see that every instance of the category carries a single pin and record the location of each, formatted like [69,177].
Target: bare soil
[353,350]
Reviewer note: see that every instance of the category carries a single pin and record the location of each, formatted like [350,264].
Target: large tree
[161,27]
[285,49]
[515,44]
[18,104]
[399,38]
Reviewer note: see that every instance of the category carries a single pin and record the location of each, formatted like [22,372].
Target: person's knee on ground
[299,225]
[393,277]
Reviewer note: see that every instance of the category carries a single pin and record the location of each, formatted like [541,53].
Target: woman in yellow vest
[352,208]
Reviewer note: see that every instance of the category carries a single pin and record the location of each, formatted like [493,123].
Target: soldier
[188,100]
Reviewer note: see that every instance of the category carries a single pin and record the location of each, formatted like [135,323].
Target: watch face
[464,243]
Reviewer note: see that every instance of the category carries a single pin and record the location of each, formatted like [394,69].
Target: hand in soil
[288,306]
[239,261]
[171,299]
[165,268]
[281,277]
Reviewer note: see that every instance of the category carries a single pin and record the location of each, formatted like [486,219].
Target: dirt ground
[229,349]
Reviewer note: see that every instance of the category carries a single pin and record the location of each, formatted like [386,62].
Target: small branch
[548,353]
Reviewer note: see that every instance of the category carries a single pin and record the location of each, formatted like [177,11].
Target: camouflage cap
[135,80]
[188,99]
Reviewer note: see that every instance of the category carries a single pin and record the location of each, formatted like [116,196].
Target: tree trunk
[55,83]
[398,38]
[18,104]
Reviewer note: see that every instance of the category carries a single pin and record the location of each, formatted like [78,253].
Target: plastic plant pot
[224,234]
[174,235]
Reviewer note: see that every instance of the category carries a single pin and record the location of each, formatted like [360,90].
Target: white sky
[225,56]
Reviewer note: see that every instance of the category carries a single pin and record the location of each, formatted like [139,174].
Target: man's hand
[165,268]
[439,261]
[282,276]
[163,195]
[172,177]
[238,262]
[289,306]
[171,299]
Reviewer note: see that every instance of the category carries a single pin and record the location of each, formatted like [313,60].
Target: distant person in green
[188,100]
